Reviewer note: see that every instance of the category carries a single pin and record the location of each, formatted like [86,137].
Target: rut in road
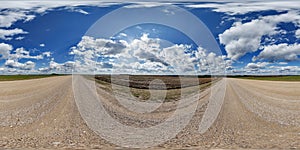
[42,113]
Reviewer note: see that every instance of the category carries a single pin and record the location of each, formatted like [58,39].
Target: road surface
[42,113]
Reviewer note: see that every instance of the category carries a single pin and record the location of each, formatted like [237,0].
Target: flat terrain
[273,78]
[139,85]
[143,81]
[42,113]
[22,77]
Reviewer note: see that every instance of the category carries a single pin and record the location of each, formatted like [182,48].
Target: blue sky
[249,37]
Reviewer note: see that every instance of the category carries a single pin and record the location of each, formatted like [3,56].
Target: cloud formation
[256,66]
[8,17]
[54,67]
[235,7]
[280,52]
[12,59]
[143,55]
[29,65]
[297,33]
[243,38]
[5,50]
[146,54]
[9,33]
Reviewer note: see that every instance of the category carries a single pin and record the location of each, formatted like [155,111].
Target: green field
[272,78]
[22,77]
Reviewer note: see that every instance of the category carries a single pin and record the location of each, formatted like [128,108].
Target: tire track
[265,106]
[42,113]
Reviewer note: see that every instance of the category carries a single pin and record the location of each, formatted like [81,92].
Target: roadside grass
[23,77]
[272,78]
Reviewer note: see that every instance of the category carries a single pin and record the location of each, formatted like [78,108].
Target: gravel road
[42,113]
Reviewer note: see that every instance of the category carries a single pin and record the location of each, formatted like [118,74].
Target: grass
[22,77]
[273,78]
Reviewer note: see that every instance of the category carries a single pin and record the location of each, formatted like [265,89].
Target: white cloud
[42,45]
[24,10]
[291,16]
[279,52]
[6,34]
[297,33]
[81,11]
[289,69]
[5,50]
[13,11]
[55,67]
[22,53]
[8,17]
[266,68]
[20,38]
[46,54]
[143,55]
[29,65]
[176,57]
[247,6]
[63,67]
[146,4]
[89,49]
[45,5]
[74,9]
[282,63]
[246,38]
[12,59]
[210,62]
[256,66]
[123,34]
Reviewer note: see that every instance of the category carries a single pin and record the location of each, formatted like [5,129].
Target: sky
[251,37]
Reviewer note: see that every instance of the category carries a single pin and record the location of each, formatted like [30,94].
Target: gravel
[43,114]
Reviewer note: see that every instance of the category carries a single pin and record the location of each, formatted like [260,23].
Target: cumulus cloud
[289,69]
[8,34]
[22,53]
[143,55]
[210,62]
[13,63]
[5,50]
[91,47]
[177,58]
[55,67]
[279,52]
[266,68]
[246,38]
[256,66]
[29,65]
